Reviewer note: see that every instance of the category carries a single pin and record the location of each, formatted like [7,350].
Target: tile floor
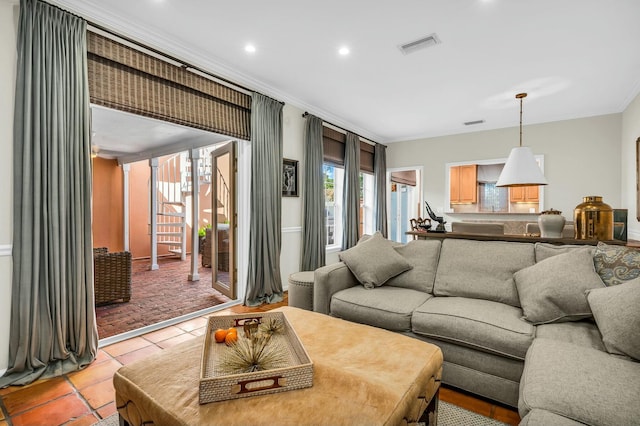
[86,396]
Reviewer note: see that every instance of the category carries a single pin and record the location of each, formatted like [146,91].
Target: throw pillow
[553,290]
[616,264]
[374,261]
[616,312]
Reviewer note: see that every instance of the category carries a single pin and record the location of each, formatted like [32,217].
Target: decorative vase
[551,223]
[593,219]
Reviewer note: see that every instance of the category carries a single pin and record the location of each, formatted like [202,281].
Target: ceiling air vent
[471,123]
[423,43]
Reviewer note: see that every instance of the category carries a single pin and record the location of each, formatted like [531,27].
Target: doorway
[405,201]
[223,161]
[122,212]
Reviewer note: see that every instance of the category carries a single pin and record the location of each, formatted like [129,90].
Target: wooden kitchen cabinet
[524,194]
[463,185]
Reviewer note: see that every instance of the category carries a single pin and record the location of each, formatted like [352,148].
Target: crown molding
[145,35]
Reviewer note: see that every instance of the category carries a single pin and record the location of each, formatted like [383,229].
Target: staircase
[173,188]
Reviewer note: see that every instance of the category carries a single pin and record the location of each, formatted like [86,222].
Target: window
[333,177]
[333,184]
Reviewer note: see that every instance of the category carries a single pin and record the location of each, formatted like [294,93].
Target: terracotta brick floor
[84,397]
[158,295]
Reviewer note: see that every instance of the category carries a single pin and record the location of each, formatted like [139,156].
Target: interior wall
[8,31]
[630,134]
[108,205]
[581,157]
[292,149]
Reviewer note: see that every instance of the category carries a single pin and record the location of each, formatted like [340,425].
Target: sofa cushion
[582,333]
[546,250]
[423,256]
[374,261]
[617,312]
[482,324]
[616,264]
[538,417]
[481,269]
[586,385]
[554,290]
[385,307]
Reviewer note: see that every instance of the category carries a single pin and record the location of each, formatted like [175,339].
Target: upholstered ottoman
[301,290]
[362,376]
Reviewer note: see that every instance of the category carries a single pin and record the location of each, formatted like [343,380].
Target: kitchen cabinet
[463,184]
[524,194]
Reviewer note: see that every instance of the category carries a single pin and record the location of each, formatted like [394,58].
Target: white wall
[293,149]
[630,134]
[581,157]
[8,30]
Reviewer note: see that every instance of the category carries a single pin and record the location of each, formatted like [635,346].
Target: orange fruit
[231,338]
[220,335]
[232,330]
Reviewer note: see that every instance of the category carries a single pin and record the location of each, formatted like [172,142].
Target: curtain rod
[182,63]
[342,128]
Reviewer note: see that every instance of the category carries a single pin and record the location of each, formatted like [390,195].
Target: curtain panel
[351,192]
[264,284]
[126,79]
[380,190]
[314,238]
[53,329]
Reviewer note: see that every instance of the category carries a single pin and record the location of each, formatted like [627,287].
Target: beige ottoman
[301,290]
[362,376]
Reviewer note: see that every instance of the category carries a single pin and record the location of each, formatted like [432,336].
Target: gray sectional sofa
[530,325]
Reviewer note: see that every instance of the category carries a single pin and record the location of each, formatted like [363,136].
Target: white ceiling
[575,58]
[129,137]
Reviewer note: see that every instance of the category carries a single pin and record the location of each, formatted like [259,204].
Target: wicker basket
[112,276]
[217,386]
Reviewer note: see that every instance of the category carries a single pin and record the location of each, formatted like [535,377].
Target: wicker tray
[218,386]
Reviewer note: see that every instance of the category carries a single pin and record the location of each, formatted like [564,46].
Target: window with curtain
[333,181]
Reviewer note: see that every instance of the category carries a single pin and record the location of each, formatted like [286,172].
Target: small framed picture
[289,178]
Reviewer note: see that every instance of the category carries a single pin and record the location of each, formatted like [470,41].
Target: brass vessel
[593,219]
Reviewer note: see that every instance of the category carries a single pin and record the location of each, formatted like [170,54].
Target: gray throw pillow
[616,312]
[374,261]
[616,264]
[554,290]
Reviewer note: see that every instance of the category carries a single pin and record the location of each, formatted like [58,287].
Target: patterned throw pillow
[616,264]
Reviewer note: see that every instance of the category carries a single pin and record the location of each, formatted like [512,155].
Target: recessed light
[250,48]
[344,51]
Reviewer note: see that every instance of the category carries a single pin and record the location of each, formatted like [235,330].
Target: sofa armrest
[328,280]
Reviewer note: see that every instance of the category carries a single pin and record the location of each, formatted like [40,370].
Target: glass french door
[223,199]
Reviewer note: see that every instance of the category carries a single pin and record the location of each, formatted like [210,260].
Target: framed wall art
[289,178]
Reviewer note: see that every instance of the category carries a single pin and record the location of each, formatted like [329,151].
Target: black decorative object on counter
[439,219]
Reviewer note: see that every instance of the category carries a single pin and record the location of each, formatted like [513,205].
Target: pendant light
[521,168]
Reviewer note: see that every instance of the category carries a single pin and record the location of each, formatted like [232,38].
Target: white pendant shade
[521,169]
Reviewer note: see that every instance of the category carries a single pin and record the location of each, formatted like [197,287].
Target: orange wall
[108,207]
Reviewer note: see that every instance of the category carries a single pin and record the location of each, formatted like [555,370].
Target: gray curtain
[380,194]
[53,328]
[314,237]
[263,282]
[351,194]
